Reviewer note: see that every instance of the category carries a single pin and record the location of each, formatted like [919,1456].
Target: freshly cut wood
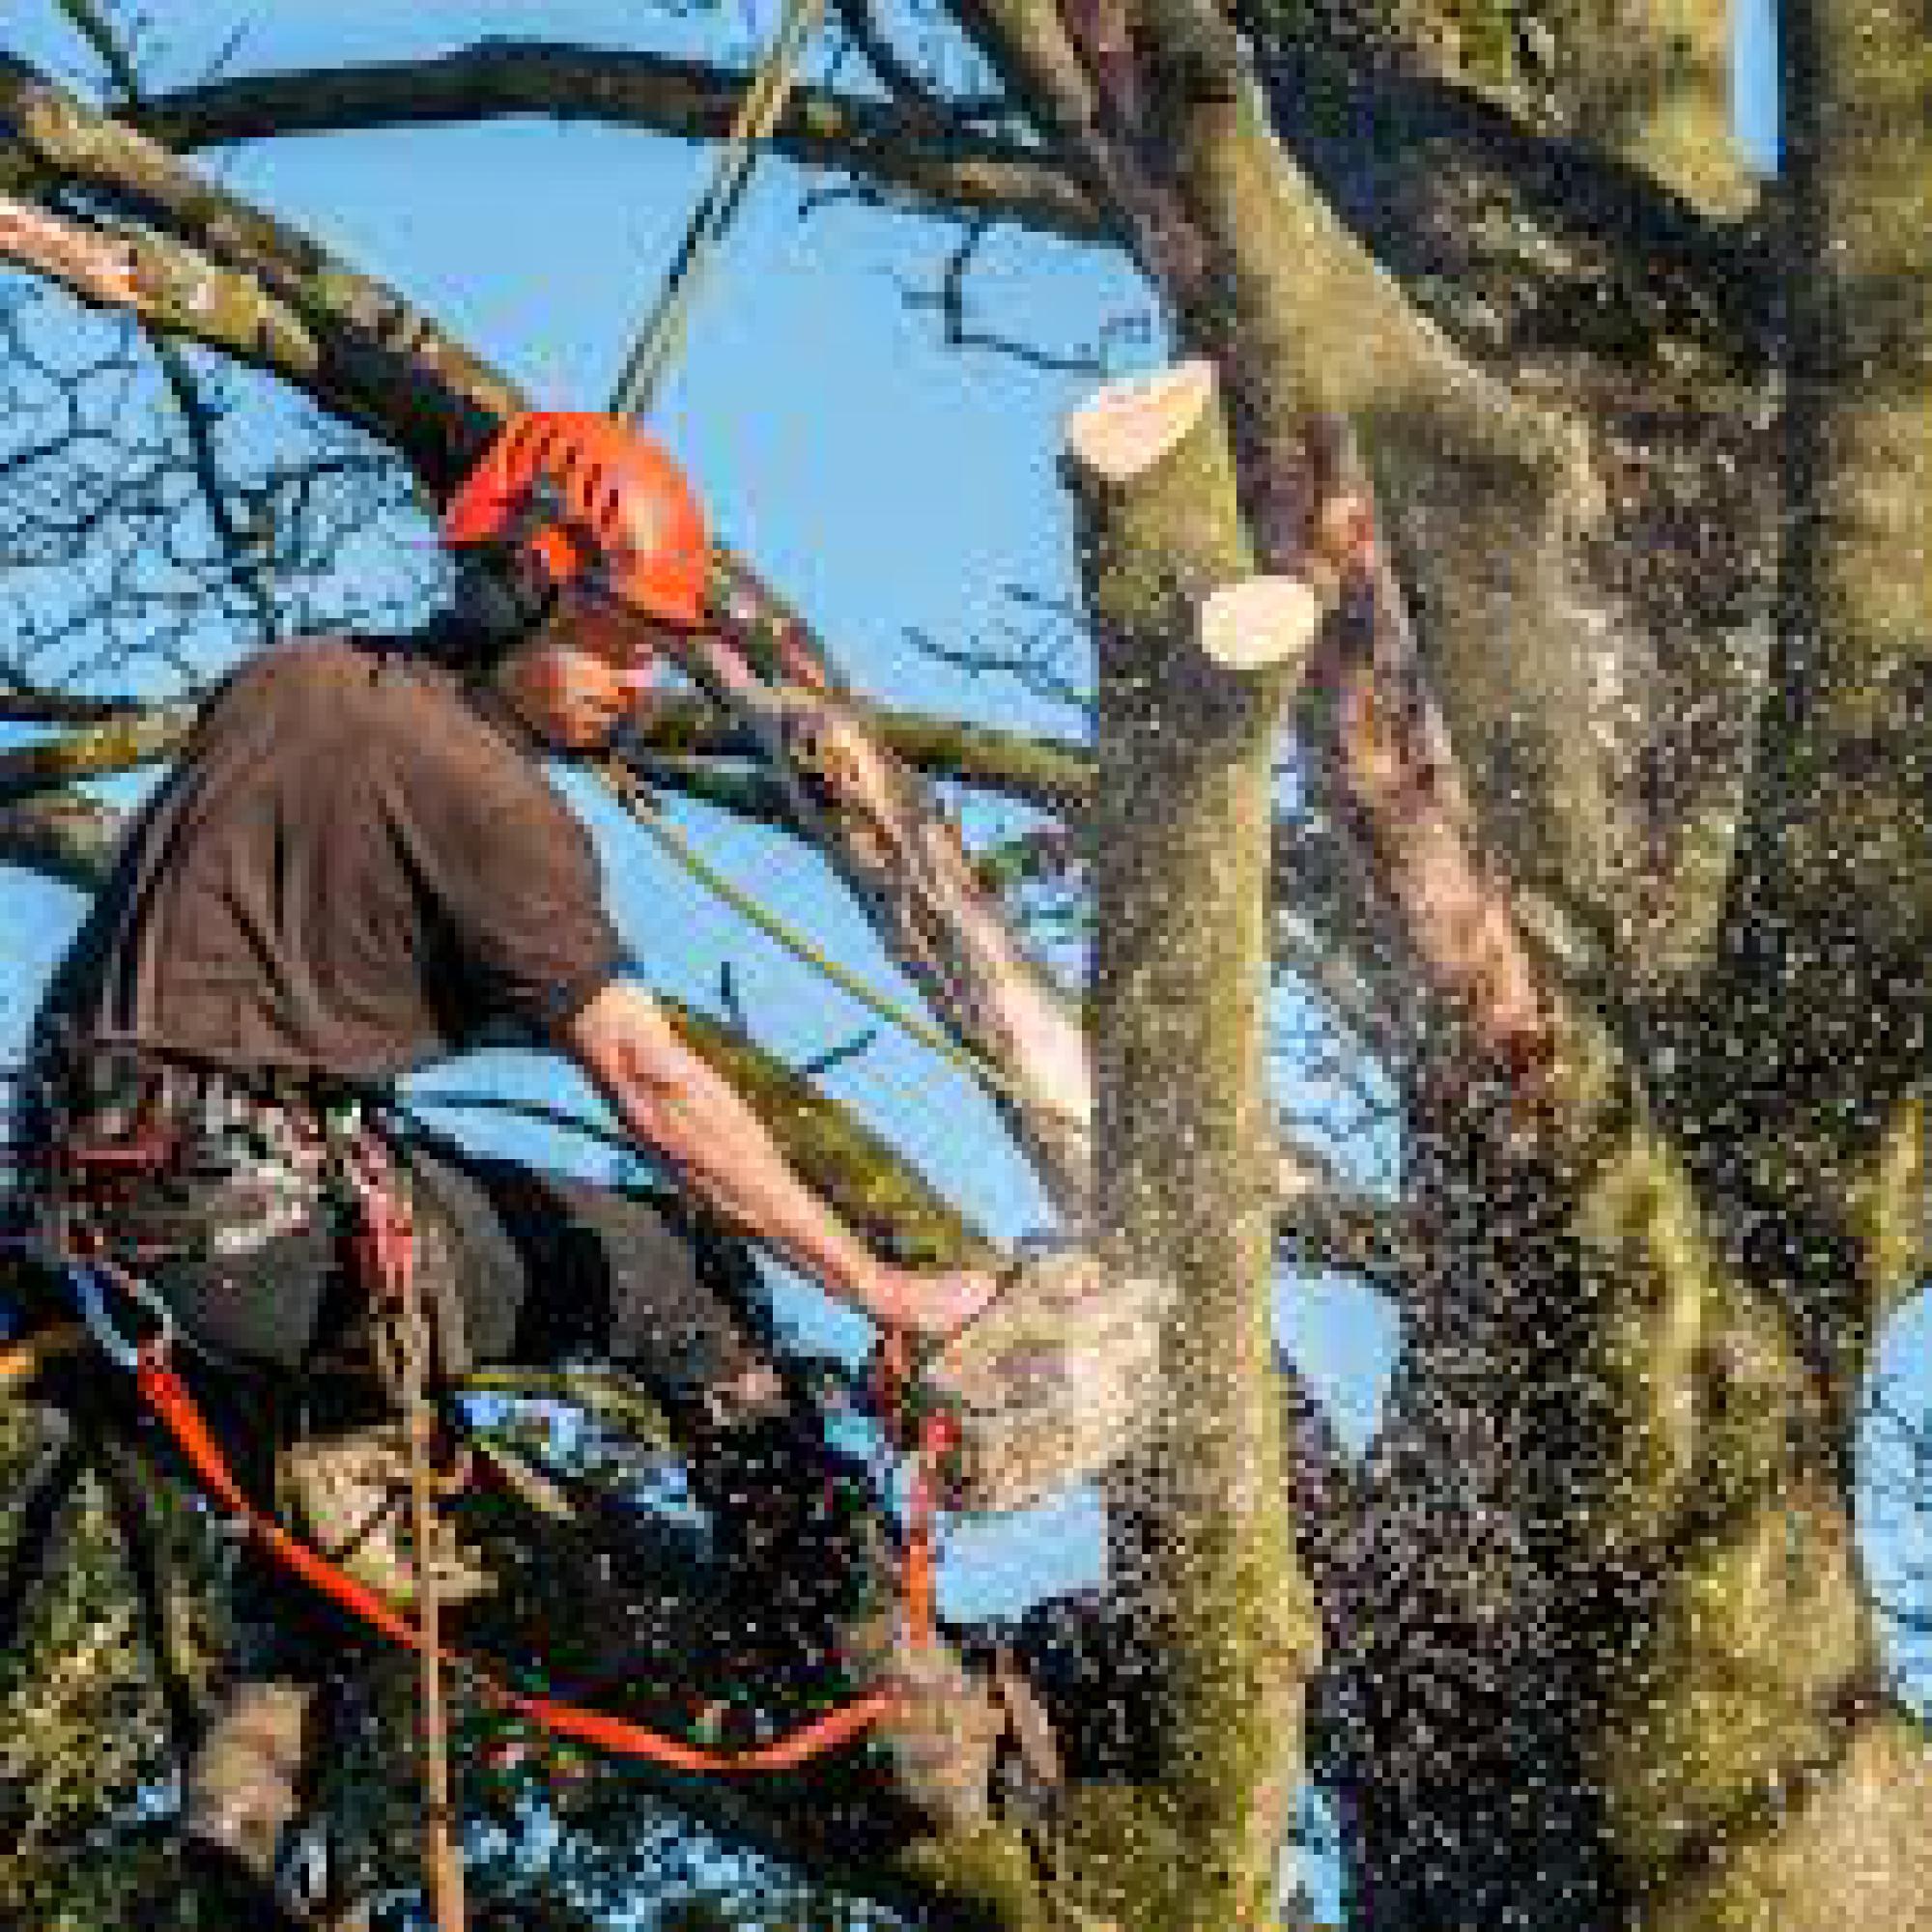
[91,264]
[1159,526]
[1128,426]
[1260,622]
[1133,427]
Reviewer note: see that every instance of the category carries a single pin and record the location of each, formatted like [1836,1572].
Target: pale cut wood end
[1259,622]
[1128,426]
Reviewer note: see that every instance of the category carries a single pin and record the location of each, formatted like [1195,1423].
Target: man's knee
[551,1267]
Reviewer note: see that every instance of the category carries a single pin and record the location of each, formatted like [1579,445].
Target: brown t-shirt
[354,868]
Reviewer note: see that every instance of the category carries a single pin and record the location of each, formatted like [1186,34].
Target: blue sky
[1754,81]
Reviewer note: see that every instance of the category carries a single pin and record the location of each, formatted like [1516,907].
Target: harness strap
[933,1437]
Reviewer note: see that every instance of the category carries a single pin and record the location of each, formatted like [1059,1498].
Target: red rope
[168,1397]
[935,1439]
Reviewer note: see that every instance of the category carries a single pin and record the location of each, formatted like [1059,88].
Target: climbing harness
[382,1243]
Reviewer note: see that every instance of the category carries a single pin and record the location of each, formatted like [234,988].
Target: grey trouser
[541,1269]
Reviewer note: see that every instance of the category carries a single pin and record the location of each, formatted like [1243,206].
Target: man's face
[585,673]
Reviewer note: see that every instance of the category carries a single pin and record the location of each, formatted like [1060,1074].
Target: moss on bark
[1180,853]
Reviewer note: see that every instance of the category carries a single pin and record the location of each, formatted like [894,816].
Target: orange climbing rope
[168,1397]
[380,1247]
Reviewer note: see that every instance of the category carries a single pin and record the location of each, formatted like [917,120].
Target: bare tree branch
[1541,227]
[121,734]
[63,836]
[1323,1223]
[22,701]
[124,742]
[245,561]
[951,301]
[168,287]
[923,102]
[933,168]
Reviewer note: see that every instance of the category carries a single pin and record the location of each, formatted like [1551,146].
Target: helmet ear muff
[503,595]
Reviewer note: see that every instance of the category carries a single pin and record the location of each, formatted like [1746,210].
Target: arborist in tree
[358,867]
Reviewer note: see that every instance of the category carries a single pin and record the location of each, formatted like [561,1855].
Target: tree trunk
[1610,1659]
[1180,857]
[1613,1662]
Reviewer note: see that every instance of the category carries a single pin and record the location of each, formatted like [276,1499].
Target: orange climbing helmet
[589,499]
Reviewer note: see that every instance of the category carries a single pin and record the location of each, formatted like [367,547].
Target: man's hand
[933,1303]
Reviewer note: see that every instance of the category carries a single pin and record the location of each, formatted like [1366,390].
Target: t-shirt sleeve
[515,883]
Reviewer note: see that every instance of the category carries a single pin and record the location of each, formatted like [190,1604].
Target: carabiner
[85,1278]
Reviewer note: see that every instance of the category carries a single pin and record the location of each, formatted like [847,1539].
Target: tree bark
[1620,1457]
[1180,849]
[1652,82]
[1604,1651]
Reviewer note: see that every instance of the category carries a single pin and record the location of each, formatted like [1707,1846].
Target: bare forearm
[672,1101]
[725,1155]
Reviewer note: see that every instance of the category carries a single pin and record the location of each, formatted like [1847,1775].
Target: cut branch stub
[1129,426]
[1260,622]
[1132,431]
[1150,462]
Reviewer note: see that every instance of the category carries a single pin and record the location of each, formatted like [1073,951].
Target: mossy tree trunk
[1608,1656]
[1179,845]
[1613,1658]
